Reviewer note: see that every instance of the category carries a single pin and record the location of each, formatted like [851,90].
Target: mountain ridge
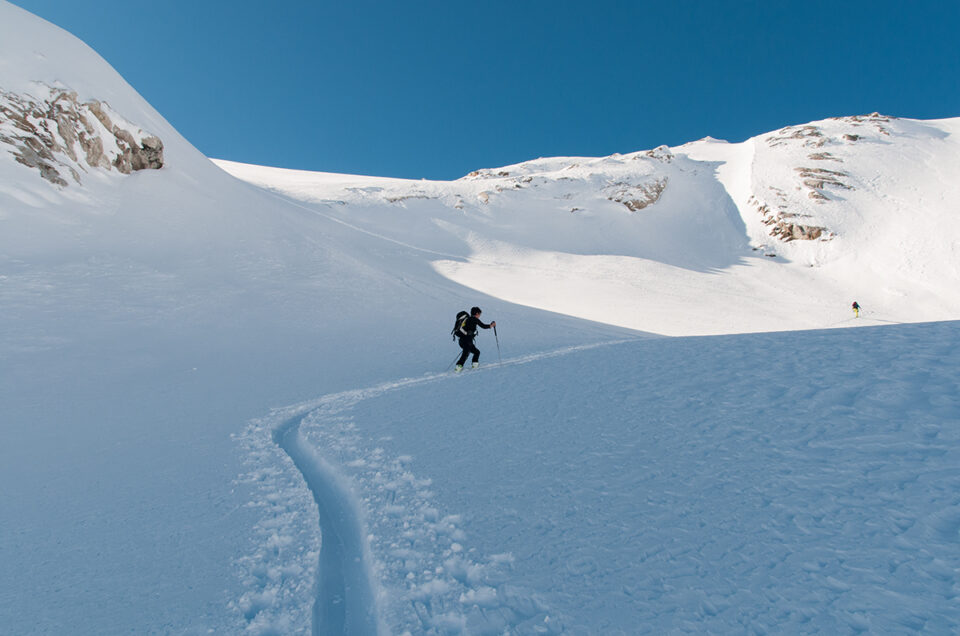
[763,213]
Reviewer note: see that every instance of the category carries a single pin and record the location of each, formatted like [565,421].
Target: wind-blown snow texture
[603,479]
[694,485]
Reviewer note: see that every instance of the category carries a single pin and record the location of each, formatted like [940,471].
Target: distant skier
[465,333]
[856,309]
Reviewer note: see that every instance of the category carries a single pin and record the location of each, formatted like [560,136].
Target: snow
[225,408]
[805,495]
[546,233]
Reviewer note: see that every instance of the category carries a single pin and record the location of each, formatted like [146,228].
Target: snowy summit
[228,406]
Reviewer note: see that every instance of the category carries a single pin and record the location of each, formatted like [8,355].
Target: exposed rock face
[813,136]
[810,136]
[786,226]
[62,137]
[488,174]
[874,120]
[638,196]
[789,217]
[660,153]
[816,179]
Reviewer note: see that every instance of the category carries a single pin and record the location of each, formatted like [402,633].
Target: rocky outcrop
[873,120]
[63,138]
[809,136]
[788,226]
[788,231]
[487,174]
[824,156]
[785,209]
[815,180]
[637,196]
[660,153]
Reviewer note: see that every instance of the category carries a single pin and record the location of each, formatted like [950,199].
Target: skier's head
[475,311]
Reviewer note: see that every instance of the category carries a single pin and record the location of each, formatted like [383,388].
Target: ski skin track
[345,596]
[345,602]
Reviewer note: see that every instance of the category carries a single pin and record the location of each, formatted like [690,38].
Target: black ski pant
[467,345]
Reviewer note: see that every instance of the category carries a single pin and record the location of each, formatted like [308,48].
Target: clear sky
[436,89]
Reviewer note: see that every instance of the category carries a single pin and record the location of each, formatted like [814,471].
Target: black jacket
[469,328]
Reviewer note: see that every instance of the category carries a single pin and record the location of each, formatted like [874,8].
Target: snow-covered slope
[155,324]
[691,485]
[146,318]
[783,231]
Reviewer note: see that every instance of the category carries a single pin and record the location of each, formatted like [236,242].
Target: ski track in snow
[319,576]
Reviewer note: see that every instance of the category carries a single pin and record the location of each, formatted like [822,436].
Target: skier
[856,309]
[465,335]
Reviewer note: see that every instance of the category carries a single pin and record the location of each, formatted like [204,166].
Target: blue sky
[437,89]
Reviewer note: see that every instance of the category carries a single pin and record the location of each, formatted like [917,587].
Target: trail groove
[323,577]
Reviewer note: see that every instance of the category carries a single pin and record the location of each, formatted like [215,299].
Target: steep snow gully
[335,549]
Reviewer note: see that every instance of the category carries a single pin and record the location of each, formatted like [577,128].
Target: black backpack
[458,325]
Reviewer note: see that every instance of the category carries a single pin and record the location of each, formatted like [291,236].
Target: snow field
[698,259]
[279,575]
[428,581]
[791,482]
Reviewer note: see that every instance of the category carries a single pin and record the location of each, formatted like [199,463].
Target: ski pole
[498,344]
[451,364]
